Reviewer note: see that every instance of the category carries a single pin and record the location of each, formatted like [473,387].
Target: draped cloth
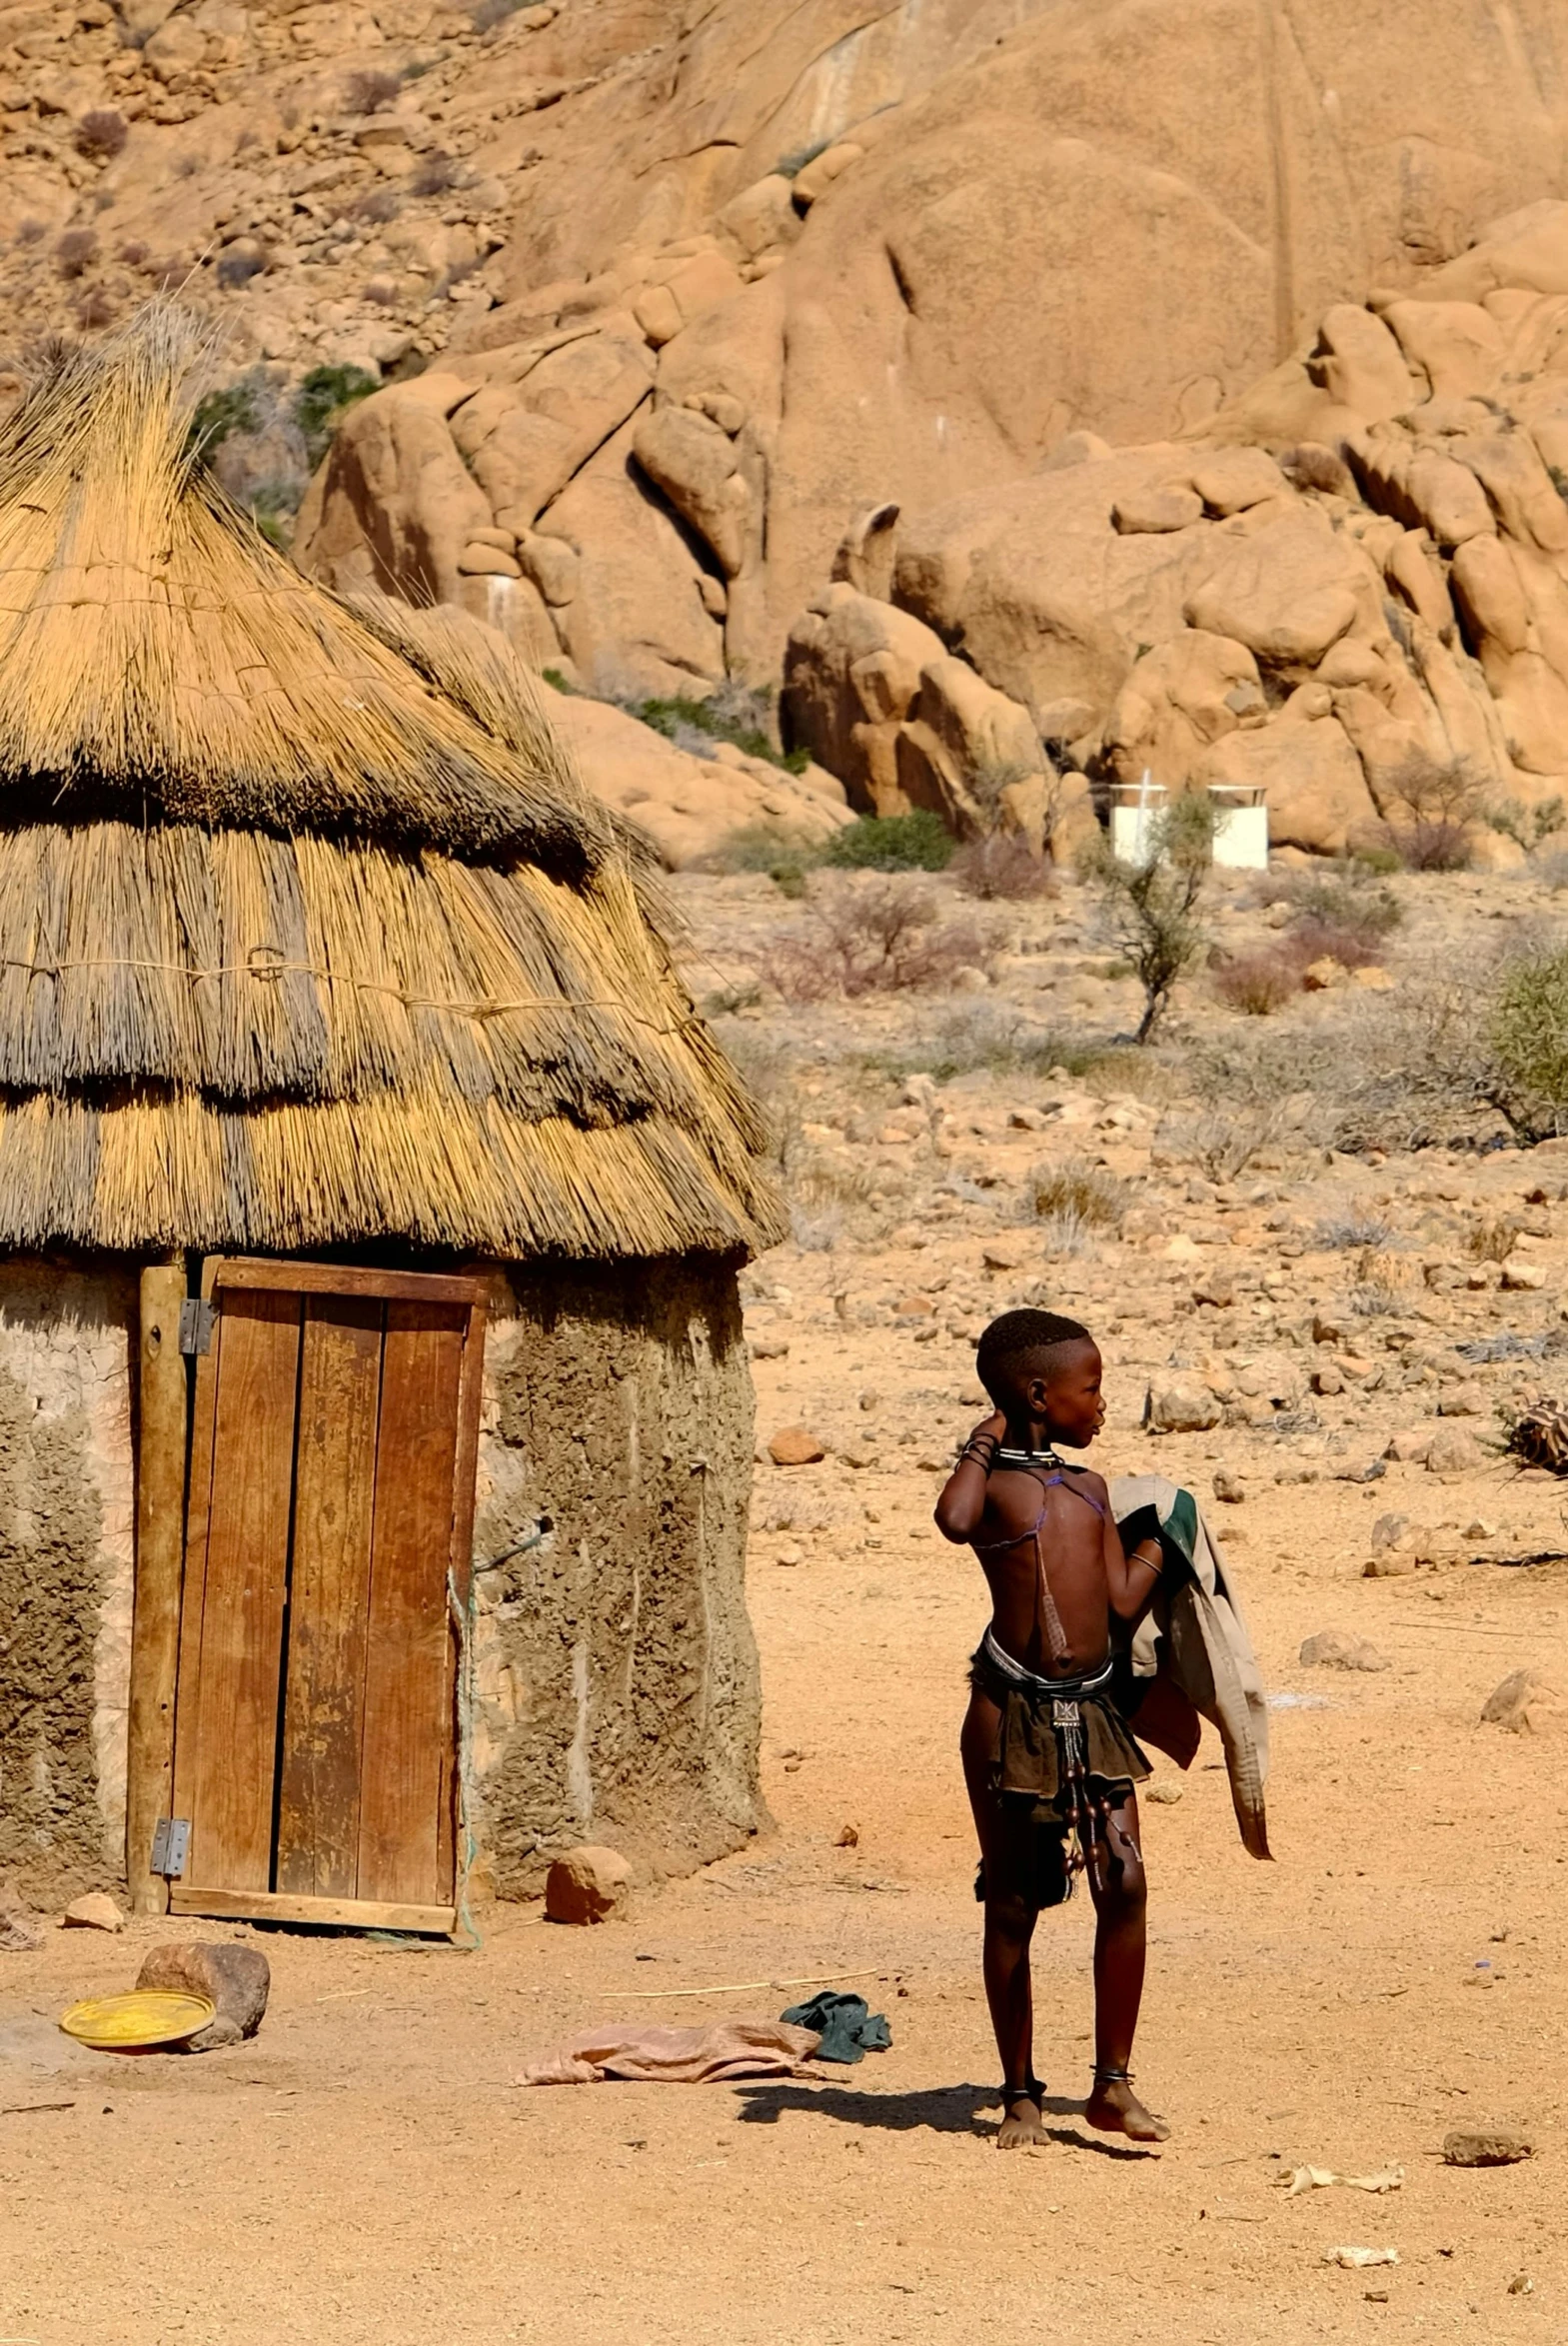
[1194,1636]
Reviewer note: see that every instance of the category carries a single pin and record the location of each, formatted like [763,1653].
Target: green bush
[324,399]
[730,715]
[1529,1039]
[220,412]
[893,842]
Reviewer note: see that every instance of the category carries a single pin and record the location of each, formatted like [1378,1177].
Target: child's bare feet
[1115,2108]
[1023,2126]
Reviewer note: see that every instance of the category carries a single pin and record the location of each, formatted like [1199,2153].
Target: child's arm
[963,1501]
[1131,1581]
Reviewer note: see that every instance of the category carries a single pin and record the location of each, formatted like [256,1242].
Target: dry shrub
[882,935]
[1093,1198]
[1222,1139]
[134,253]
[238,268]
[370,89]
[95,309]
[30,232]
[1259,984]
[101,135]
[1002,866]
[76,252]
[1334,941]
[1436,805]
[437,175]
[380,205]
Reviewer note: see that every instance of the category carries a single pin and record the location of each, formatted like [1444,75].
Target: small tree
[1432,806]
[1151,909]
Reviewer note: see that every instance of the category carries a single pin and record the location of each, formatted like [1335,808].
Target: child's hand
[993,1427]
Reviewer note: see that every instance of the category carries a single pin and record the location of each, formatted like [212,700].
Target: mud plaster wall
[66,1571]
[616,1672]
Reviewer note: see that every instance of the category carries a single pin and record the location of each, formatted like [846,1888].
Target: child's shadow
[944,2109]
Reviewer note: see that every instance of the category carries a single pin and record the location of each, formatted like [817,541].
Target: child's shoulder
[1088,1480]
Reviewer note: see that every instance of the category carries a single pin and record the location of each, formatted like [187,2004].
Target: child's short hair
[1020,1338]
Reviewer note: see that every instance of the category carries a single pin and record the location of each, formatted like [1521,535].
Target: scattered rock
[1388,1531]
[1486,2146]
[97,1911]
[769,1348]
[1464,1400]
[1230,1486]
[586,1884]
[1409,1448]
[1394,1564]
[1216,1287]
[1181,1409]
[1330,1379]
[1331,1649]
[1321,975]
[1523,1277]
[1161,1791]
[1452,1452]
[19,1933]
[849,1837]
[236,1977]
[1509,1706]
[997,1258]
[795,1445]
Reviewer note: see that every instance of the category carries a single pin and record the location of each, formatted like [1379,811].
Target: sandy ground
[366,2170]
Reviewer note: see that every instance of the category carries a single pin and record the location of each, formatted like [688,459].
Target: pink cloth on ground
[675,2056]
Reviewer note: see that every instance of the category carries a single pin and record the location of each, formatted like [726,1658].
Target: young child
[1046,1752]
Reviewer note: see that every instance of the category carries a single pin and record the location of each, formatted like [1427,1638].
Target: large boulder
[525,441]
[965,752]
[689,805]
[692,460]
[1310,777]
[393,505]
[1181,698]
[639,620]
[852,669]
[1288,591]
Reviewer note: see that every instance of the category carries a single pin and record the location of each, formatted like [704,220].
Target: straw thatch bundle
[308,935]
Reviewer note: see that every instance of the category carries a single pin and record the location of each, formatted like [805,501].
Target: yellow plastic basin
[143,2017]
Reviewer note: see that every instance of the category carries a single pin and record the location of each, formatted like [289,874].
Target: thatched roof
[308,935]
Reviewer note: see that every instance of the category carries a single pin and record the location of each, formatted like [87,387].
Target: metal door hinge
[196,1319]
[171,1839]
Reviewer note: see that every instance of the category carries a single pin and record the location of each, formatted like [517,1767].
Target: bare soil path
[365,2172]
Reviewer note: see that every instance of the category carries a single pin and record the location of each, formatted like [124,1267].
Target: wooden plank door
[328,1532]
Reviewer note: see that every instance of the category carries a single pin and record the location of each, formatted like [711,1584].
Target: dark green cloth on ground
[847,2026]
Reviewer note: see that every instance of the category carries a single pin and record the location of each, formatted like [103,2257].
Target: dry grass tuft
[1093,1198]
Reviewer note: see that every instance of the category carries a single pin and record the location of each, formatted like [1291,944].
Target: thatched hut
[371,1202]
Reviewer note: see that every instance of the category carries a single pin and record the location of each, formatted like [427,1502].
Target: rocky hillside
[1349,592]
[652,299]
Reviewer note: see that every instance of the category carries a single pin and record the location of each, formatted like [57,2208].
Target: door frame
[471,1293]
